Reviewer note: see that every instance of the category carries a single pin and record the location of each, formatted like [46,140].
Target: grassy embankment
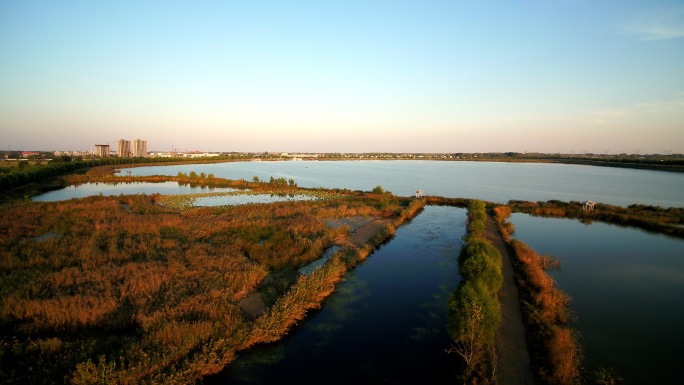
[124,290]
[474,312]
[554,348]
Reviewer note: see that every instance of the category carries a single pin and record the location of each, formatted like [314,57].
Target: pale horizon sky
[567,76]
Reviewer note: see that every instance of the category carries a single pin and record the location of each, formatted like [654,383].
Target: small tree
[473,319]
[87,373]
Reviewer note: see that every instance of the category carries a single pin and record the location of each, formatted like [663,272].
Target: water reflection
[385,324]
[626,286]
[497,182]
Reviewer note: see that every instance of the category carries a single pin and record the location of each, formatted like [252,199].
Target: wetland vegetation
[154,289]
[127,290]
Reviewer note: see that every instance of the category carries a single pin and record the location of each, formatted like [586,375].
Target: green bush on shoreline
[474,312]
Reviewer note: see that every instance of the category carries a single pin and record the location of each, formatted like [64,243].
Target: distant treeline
[18,176]
[11,177]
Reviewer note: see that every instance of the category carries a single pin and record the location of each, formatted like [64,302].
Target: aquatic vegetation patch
[239,197]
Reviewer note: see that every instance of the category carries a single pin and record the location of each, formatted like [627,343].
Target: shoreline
[513,363]
[618,163]
[33,186]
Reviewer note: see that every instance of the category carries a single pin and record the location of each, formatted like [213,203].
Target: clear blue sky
[348,76]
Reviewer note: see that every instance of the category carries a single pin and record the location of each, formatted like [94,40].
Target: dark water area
[385,324]
[627,287]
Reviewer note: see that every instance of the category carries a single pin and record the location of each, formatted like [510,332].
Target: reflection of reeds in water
[340,307]
[246,368]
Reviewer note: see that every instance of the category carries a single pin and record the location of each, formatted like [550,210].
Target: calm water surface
[385,324]
[627,287]
[90,189]
[499,182]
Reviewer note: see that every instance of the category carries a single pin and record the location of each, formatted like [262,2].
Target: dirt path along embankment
[513,358]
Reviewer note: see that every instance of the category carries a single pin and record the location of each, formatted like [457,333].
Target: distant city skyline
[381,76]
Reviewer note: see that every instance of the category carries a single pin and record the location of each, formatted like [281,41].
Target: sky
[568,76]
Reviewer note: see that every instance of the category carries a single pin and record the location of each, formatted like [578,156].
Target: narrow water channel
[385,324]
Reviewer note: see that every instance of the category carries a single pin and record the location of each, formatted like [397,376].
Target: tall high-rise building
[123,148]
[102,150]
[140,148]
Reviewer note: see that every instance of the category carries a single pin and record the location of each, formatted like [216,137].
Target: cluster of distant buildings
[124,149]
[138,149]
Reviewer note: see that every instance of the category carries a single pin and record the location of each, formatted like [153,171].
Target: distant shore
[644,164]
[37,178]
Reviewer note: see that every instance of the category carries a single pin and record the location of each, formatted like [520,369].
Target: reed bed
[127,290]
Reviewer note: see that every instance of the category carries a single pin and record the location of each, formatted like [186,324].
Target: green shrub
[474,314]
[482,269]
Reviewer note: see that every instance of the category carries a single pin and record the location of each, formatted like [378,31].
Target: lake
[386,323]
[497,182]
[627,287]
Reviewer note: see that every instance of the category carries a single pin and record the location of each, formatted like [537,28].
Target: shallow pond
[90,189]
[385,324]
[627,287]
